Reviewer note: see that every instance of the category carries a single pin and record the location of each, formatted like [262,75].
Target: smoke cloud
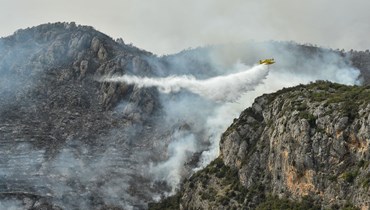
[11,205]
[295,65]
[129,166]
[79,177]
[191,105]
[179,150]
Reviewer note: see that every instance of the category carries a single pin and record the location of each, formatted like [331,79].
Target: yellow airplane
[267,61]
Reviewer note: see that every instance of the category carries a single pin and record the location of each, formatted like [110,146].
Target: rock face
[53,85]
[55,114]
[307,143]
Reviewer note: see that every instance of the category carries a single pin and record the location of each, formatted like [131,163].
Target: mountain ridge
[302,147]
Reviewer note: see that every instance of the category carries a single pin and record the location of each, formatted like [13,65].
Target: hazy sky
[167,26]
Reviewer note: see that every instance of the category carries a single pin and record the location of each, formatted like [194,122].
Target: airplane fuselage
[267,61]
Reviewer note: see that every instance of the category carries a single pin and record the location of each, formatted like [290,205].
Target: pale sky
[168,26]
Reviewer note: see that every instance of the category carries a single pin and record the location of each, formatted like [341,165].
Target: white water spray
[221,88]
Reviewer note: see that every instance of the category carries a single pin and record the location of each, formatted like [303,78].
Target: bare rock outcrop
[307,144]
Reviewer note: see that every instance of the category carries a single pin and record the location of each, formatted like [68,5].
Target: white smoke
[223,115]
[203,116]
[11,205]
[172,170]
[220,88]
[76,172]
[234,92]
[70,179]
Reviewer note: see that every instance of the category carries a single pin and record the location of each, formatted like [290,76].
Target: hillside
[72,141]
[305,147]
[64,141]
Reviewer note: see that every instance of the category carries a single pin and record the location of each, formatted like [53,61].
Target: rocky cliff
[305,147]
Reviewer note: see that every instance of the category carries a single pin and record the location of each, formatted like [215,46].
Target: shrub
[309,117]
[349,176]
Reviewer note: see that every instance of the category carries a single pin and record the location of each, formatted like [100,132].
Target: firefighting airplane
[267,61]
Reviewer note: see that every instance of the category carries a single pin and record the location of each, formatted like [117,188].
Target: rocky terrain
[52,107]
[69,141]
[305,147]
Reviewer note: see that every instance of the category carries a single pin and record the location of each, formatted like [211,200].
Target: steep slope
[302,147]
[62,137]
[51,69]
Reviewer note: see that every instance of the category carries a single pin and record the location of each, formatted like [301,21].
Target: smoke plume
[233,92]
[182,146]
[201,91]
